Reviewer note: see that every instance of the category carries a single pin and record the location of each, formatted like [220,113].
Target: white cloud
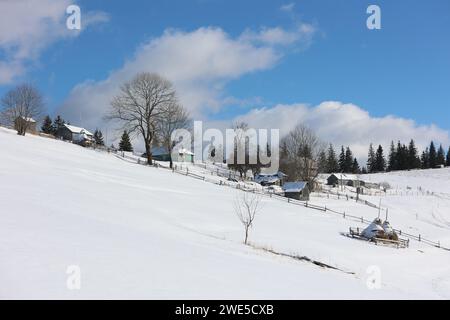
[288,7]
[302,33]
[199,63]
[27,27]
[346,124]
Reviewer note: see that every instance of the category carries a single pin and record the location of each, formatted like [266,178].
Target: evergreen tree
[440,158]
[401,157]
[425,159]
[125,143]
[380,161]
[47,126]
[348,160]
[98,137]
[413,158]
[371,160]
[364,170]
[322,162]
[58,123]
[392,159]
[432,157]
[342,160]
[332,162]
[447,163]
[355,166]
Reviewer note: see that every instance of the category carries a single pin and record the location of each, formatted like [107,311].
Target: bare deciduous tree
[21,104]
[174,117]
[246,207]
[299,154]
[141,103]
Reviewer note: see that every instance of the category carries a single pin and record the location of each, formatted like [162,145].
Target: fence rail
[306,204]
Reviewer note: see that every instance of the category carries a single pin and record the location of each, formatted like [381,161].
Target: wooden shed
[296,190]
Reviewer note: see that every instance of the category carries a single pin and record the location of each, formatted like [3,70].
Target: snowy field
[147,233]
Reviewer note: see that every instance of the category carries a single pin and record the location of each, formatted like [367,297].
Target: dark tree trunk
[148,153]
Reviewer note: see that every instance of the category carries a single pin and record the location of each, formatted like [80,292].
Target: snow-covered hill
[143,232]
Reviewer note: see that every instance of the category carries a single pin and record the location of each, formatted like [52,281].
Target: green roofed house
[162,154]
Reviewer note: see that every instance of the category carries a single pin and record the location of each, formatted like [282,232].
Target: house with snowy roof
[25,122]
[338,179]
[270,179]
[296,190]
[161,153]
[75,134]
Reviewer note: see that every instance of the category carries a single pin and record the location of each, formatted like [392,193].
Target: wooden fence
[305,204]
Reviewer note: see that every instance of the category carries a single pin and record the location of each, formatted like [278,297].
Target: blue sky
[402,69]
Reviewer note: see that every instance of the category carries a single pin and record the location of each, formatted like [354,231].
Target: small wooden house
[162,154]
[296,190]
[338,179]
[266,179]
[75,134]
[28,123]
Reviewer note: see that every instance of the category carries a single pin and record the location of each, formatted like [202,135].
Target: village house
[296,190]
[75,134]
[266,179]
[344,179]
[162,154]
[22,122]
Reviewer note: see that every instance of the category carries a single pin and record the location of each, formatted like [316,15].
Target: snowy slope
[140,232]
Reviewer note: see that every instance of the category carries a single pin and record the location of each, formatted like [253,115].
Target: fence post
[362,219]
[419,238]
[289,200]
[344,214]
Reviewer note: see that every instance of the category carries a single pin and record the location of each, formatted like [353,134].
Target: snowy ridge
[143,232]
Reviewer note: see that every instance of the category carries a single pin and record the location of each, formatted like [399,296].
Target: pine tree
[425,159]
[364,170]
[401,156]
[371,160]
[58,123]
[47,126]
[432,157]
[448,158]
[392,159]
[355,166]
[332,162]
[342,160]
[98,137]
[125,143]
[348,160]
[440,158]
[413,158]
[380,161]
[322,162]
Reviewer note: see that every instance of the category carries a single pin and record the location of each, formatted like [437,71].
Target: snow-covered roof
[185,151]
[78,130]
[345,176]
[158,151]
[269,178]
[294,186]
